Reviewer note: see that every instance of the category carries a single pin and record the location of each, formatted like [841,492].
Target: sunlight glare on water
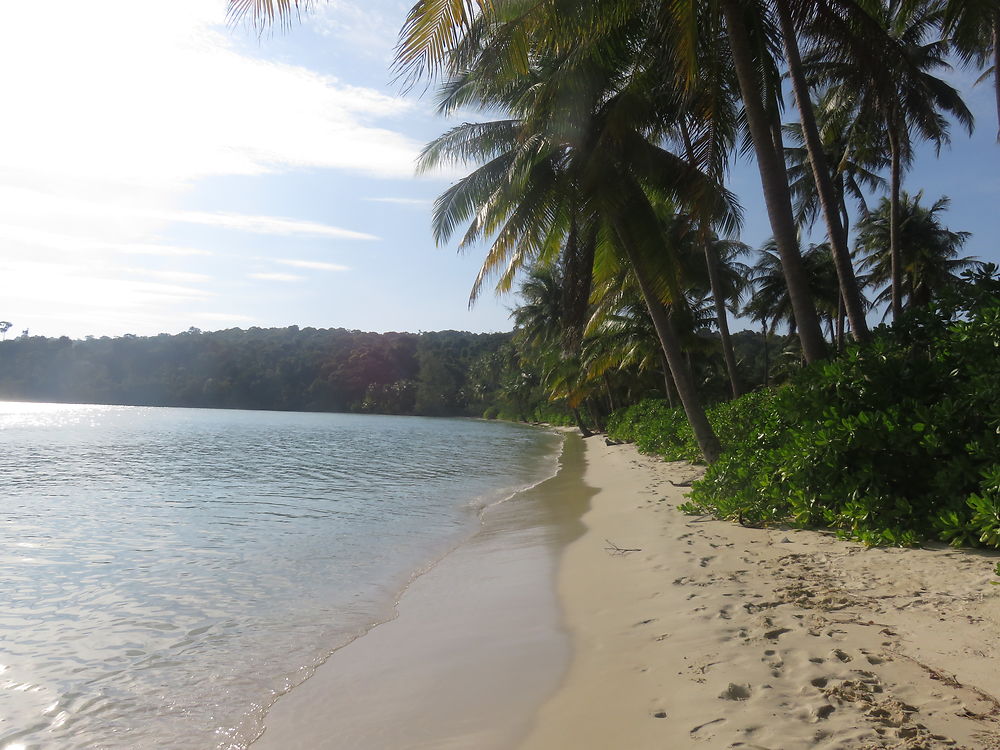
[168,572]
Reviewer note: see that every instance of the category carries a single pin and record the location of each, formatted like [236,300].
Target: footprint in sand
[703,562]
[773,635]
[707,724]
[841,655]
[735,692]
[823,712]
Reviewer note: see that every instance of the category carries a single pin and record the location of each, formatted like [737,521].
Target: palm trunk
[894,250]
[703,432]
[670,345]
[824,182]
[579,423]
[767,357]
[774,181]
[840,324]
[607,387]
[668,382]
[712,261]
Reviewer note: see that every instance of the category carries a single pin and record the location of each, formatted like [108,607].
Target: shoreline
[713,635]
[629,624]
[476,636]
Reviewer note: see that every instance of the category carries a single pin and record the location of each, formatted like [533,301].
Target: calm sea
[166,573]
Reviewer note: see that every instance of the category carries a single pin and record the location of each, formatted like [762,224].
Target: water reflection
[167,571]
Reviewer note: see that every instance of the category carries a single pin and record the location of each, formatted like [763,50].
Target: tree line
[311,369]
[613,126]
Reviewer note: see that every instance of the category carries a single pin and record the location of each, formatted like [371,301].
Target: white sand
[711,635]
[718,636]
[477,645]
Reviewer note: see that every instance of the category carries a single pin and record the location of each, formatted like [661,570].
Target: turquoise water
[166,573]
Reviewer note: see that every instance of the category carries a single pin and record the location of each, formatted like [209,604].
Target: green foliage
[655,428]
[889,444]
[309,369]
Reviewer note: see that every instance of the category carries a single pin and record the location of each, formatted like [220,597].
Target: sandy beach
[671,631]
[717,636]
[477,644]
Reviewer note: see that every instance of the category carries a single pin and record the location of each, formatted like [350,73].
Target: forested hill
[309,369]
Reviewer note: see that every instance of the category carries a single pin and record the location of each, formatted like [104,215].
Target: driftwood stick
[614,549]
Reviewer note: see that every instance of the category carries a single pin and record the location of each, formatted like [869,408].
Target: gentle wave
[168,572]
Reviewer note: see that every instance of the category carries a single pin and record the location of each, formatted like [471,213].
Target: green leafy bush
[889,443]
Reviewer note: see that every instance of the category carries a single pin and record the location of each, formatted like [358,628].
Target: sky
[160,169]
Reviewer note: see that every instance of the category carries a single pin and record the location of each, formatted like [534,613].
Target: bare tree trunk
[767,358]
[824,183]
[703,432]
[668,381]
[840,324]
[894,249]
[607,387]
[774,181]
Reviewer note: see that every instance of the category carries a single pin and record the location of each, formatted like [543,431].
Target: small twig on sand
[685,483]
[614,549]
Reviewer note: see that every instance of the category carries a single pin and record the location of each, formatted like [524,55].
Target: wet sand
[478,643]
[673,632]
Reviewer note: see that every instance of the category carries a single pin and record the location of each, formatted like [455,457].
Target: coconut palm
[974,28]
[579,151]
[930,252]
[823,181]
[897,92]
[856,156]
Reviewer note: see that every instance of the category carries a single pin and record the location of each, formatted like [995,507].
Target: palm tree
[577,151]
[929,251]
[756,71]
[621,336]
[857,156]
[540,333]
[825,189]
[896,92]
[974,28]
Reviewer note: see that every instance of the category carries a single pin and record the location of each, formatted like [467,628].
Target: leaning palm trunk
[774,181]
[712,259]
[668,381]
[849,290]
[580,423]
[683,382]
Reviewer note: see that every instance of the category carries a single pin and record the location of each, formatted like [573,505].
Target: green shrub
[889,443]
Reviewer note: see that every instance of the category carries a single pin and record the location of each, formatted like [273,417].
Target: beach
[669,631]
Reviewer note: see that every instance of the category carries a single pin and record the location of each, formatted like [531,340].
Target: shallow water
[167,572]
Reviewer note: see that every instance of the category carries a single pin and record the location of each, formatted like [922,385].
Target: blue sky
[161,170]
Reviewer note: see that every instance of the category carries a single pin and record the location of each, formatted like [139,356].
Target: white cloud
[401,201]
[181,277]
[316,265]
[155,93]
[117,111]
[363,27]
[265,224]
[283,277]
